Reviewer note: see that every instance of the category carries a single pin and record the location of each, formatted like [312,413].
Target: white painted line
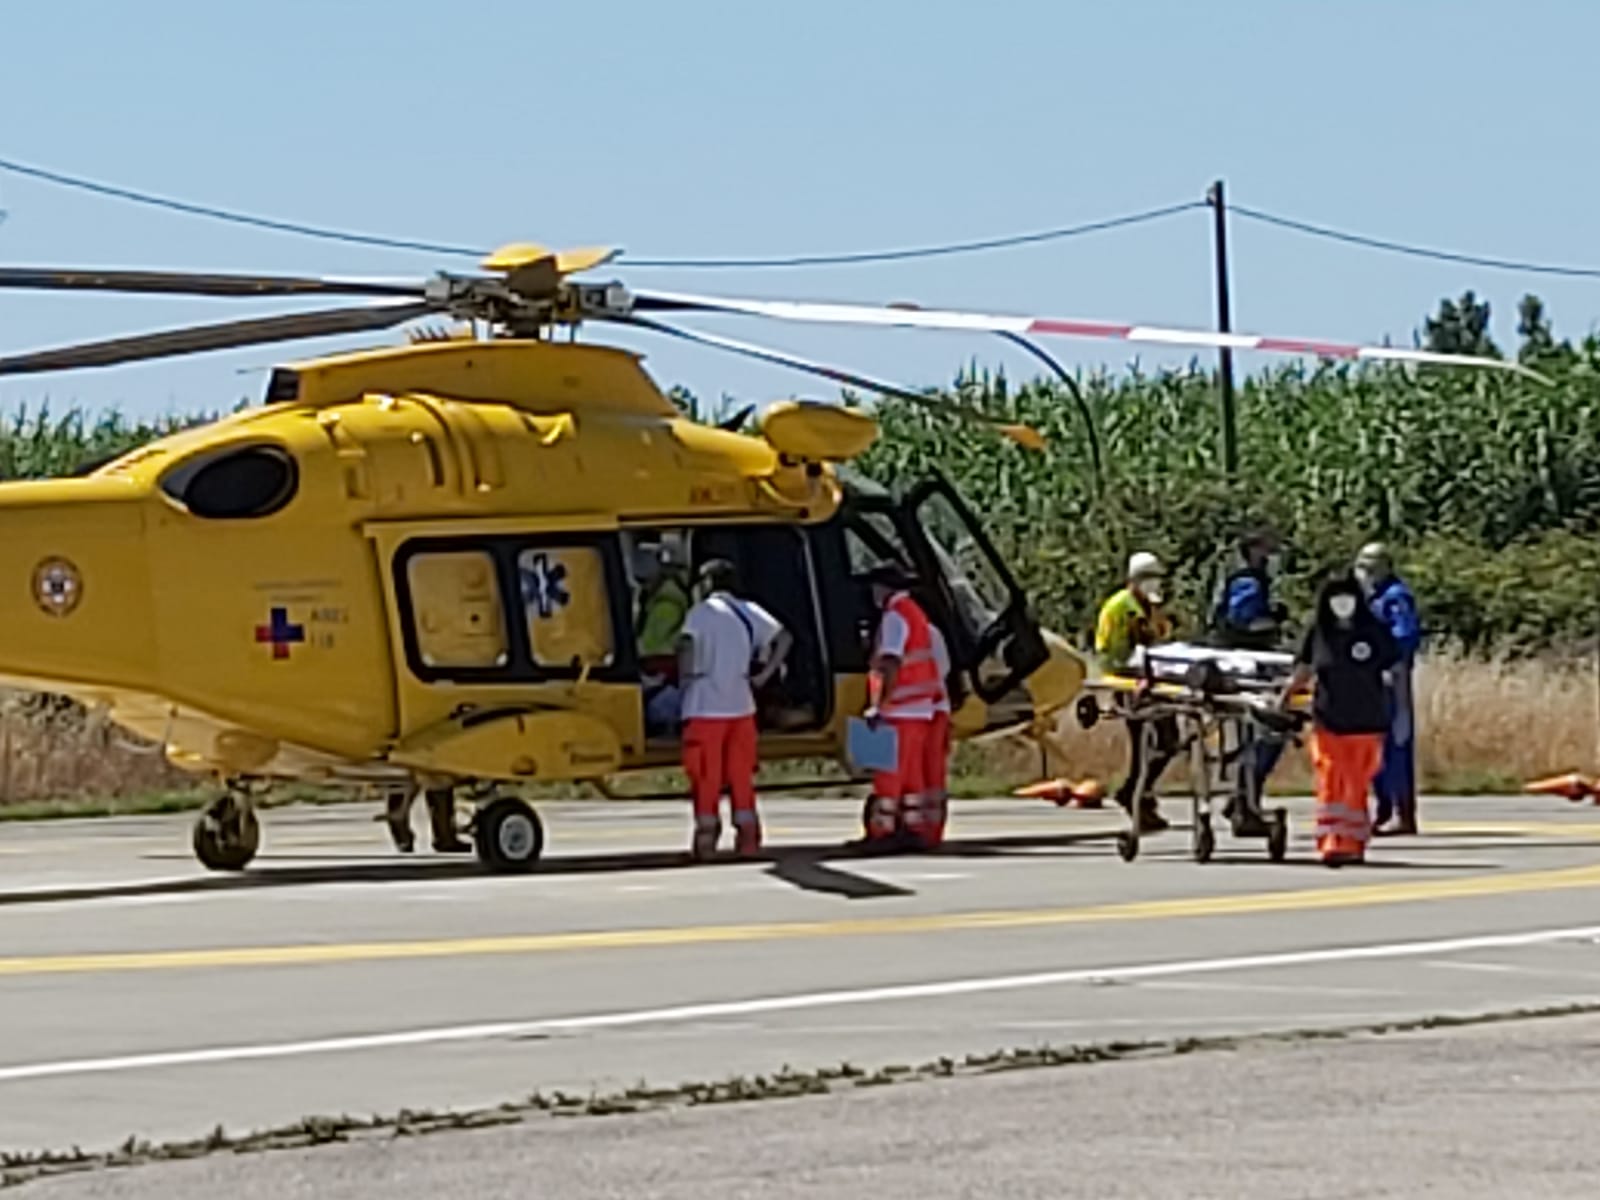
[677,1014]
[1492,968]
[1510,969]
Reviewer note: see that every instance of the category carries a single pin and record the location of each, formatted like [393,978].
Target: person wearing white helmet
[1131,618]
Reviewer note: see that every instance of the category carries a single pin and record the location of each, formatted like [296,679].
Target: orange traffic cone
[1061,792]
[1574,787]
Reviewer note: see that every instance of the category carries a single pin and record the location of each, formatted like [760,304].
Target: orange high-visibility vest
[919,681]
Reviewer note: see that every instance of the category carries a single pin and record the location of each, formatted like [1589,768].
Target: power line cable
[1372,243]
[235,218]
[803,260]
[937,250]
[934,251]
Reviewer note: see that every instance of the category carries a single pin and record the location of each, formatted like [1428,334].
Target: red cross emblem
[279,633]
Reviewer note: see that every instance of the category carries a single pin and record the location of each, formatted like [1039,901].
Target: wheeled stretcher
[1224,704]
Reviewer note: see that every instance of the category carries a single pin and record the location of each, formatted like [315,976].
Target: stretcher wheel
[509,835]
[1087,712]
[1205,841]
[1127,846]
[1278,836]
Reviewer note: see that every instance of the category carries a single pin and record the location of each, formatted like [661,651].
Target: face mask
[1153,592]
[1343,606]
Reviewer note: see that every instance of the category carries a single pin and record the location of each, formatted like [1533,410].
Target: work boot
[397,816]
[1151,820]
[747,842]
[703,846]
[442,820]
[1396,827]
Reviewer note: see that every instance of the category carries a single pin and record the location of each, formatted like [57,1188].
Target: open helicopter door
[997,642]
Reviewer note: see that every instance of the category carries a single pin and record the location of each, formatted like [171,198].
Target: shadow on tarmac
[806,866]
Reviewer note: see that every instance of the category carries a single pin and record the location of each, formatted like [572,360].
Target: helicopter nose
[75,597]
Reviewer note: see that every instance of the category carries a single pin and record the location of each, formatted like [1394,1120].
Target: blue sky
[694,128]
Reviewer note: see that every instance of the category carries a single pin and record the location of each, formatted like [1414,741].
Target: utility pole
[1230,429]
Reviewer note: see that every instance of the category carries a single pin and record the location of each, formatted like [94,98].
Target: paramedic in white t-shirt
[728,650]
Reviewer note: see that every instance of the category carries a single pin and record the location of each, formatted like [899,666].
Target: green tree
[1462,327]
[1538,340]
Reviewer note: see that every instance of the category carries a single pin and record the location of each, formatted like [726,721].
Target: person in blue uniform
[1247,618]
[1393,604]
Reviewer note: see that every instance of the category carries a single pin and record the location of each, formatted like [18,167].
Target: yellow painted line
[1299,900]
[1569,829]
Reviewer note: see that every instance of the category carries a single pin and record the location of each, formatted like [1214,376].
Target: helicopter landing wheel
[509,835]
[227,834]
[1278,836]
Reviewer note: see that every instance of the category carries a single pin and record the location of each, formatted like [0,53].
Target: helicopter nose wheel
[227,834]
[508,835]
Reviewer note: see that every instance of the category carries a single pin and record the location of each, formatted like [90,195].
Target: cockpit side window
[235,483]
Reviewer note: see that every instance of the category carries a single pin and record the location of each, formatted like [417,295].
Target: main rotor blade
[1021,434]
[183,283]
[911,317]
[196,339]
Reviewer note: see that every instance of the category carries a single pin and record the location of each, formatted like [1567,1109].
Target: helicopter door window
[998,639]
[977,588]
[456,605]
[567,604]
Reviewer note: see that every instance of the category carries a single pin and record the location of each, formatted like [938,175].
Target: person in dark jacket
[1349,653]
[1247,618]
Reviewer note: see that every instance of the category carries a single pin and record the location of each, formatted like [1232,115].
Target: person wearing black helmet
[1247,618]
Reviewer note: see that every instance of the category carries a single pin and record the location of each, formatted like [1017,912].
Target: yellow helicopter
[420,568]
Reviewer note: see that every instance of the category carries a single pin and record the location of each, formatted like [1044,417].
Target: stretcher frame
[1213,712]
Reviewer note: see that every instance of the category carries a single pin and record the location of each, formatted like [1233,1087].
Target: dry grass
[1484,726]
[51,750]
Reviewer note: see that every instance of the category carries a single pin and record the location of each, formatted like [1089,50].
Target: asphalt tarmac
[140,996]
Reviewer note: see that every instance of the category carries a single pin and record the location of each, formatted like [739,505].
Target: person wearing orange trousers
[1348,652]
[728,649]
[904,689]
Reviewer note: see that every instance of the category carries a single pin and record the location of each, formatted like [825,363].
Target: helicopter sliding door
[511,620]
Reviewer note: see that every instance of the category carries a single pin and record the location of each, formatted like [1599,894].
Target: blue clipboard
[870,749]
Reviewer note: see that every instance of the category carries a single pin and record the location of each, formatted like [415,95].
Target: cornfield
[1487,487]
